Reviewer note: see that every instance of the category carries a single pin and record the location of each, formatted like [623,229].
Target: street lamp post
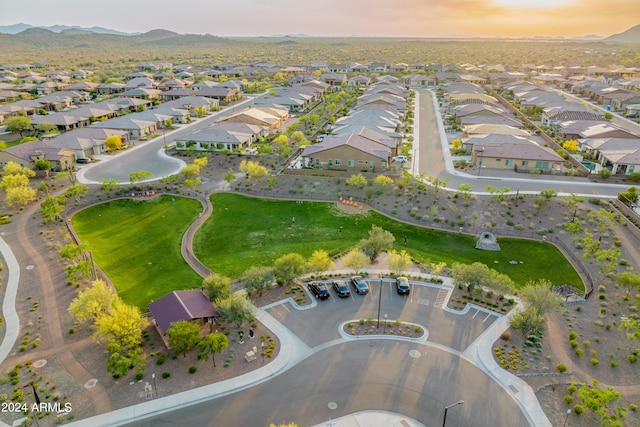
[567,417]
[379,302]
[446,408]
[480,152]
[153,377]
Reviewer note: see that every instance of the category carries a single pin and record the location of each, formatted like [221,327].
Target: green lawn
[137,244]
[244,231]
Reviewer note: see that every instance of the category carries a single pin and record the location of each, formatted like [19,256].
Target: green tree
[464,190]
[477,275]
[355,259]
[538,294]
[629,281]
[258,279]
[13,181]
[183,335]
[605,173]
[290,266]
[12,168]
[139,176]
[320,261]
[281,139]
[498,194]
[298,137]
[528,321]
[598,400]
[212,344]
[42,165]
[109,184]
[378,241]
[398,261]
[113,142]
[216,286]
[631,326]
[630,196]
[357,180]
[438,183]
[235,309]
[254,170]
[229,176]
[18,124]
[76,191]
[50,210]
[46,127]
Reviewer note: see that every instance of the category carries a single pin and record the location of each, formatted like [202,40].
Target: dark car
[360,285]
[341,288]
[319,289]
[402,285]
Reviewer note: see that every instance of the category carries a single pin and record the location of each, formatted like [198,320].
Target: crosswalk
[441,297]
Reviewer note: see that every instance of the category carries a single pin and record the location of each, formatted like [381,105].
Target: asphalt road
[411,379]
[150,155]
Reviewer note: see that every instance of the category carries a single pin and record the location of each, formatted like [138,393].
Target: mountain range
[631,35]
[65,29]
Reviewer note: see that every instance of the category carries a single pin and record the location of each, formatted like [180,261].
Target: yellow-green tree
[254,170]
[20,196]
[183,335]
[383,181]
[320,261]
[190,171]
[212,344]
[570,145]
[113,142]
[357,180]
[123,324]
[355,259]
[398,261]
[93,302]
[201,162]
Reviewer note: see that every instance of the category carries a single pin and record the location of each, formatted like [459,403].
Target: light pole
[446,408]
[567,417]
[153,377]
[480,152]
[379,302]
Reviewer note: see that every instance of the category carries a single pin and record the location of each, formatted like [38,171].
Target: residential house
[476,110]
[359,81]
[172,94]
[270,118]
[392,141]
[141,82]
[110,88]
[177,306]
[469,142]
[580,129]
[86,142]
[190,103]
[347,152]
[516,156]
[178,115]
[619,155]
[220,137]
[28,153]
[481,129]
[135,128]
[141,93]
[222,94]
[335,80]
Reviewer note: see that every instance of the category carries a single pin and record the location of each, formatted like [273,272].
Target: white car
[400,159]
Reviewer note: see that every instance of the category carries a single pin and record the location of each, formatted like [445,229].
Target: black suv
[402,285]
[341,288]
[319,289]
[360,285]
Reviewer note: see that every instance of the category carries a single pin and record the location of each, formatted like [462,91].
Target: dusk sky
[412,18]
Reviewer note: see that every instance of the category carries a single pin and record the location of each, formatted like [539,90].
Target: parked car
[360,285]
[400,159]
[319,289]
[341,288]
[402,286]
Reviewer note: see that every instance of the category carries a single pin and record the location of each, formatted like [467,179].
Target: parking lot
[319,324]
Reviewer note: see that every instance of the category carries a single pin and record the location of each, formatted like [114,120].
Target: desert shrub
[166,374]
[573,343]
[568,399]
[579,352]
[573,335]
[561,367]
[633,406]
[578,409]
[506,336]
[159,361]
[192,369]
[595,362]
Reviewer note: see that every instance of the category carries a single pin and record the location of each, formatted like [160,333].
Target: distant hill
[19,28]
[632,35]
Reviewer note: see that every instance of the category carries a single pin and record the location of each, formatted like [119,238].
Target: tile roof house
[86,142]
[28,153]
[347,152]
[182,305]
[516,156]
[268,117]
[579,129]
[219,137]
[135,128]
[620,155]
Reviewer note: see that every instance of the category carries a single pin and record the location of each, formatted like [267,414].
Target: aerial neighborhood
[220,239]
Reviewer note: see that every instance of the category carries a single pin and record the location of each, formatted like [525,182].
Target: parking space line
[474,316]
[488,315]
[285,307]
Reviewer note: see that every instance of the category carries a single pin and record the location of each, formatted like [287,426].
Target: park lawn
[244,231]
[137,244]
